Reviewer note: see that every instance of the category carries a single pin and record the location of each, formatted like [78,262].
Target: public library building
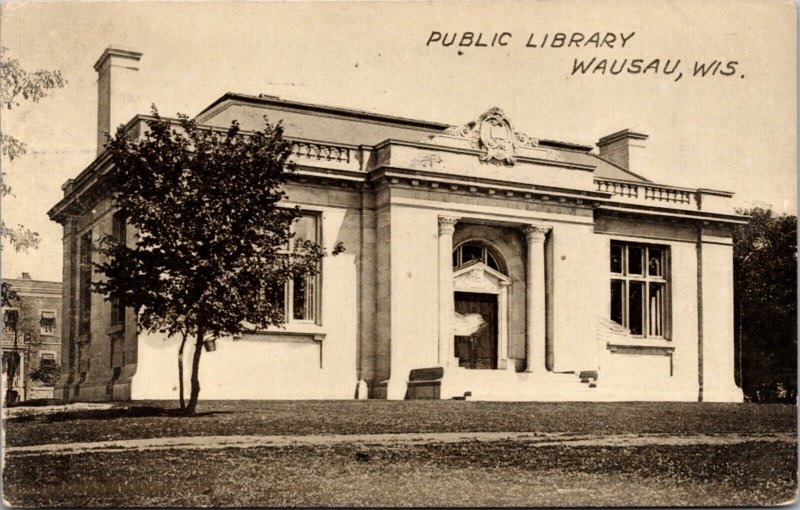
[480,261]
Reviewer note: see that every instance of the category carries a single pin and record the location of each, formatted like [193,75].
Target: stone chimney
[626,148]
[117,90]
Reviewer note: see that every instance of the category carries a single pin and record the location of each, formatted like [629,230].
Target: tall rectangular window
[300,295]
[10,323]
[85,284]
[639,285]
[47,322]
[119,233]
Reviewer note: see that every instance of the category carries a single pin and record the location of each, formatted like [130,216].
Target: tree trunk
[198,351]
[180,370]
[11,374]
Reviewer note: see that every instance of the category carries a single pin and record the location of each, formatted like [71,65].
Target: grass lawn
[467,474]
[496,473]
[157,419]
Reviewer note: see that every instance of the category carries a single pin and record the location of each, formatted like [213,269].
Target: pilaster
[447,226]
[68,374]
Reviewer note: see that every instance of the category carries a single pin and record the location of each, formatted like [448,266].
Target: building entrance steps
[462,383]
[425,384]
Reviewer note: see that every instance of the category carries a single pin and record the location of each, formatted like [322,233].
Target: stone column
[447,226]
[535,299]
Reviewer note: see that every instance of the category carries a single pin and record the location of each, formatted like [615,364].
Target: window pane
[47,322]
[655,263]
[617,287]
[655,309]
[616,258]
[10,319]
[47,328]
[470,252]
[117,312]
[455,258]
[118,229]
[305,228]
[310,298]
[635,255]
[277,297]
[301,304]
[491,262]
[635,307]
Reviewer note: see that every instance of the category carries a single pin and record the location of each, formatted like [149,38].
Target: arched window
[473,251]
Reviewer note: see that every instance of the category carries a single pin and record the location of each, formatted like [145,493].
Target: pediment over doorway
[479,277]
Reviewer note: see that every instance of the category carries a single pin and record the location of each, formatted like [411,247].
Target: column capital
[534,233]
[447,224]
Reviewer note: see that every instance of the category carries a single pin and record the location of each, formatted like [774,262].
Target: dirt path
[365,440]
[14,412]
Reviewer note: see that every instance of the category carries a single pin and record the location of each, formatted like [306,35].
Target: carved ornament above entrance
[494,134]
[479,277]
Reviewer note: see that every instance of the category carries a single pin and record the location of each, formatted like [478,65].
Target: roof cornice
[621,135]
[331,110]
[477,152]
[693,215]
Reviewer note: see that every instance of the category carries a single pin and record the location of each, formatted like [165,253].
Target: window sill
[294,333]
[116,328]
[642,346]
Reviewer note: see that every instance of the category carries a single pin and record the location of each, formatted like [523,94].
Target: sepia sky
[734,133]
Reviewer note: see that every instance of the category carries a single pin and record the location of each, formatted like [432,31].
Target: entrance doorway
[479,349]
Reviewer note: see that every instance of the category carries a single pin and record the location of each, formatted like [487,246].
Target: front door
[479,349]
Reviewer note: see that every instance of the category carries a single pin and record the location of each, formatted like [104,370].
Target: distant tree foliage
[210,251]
[18,85]
[765,292]
[46,373]
[8,296]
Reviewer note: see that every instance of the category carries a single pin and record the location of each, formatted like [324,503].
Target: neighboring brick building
[32,335]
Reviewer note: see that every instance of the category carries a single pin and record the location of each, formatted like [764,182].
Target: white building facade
[480,263]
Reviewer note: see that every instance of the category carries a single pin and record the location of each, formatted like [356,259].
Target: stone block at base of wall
[40,392]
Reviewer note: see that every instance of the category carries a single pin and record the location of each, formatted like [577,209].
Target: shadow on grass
[112,414]
[37,402]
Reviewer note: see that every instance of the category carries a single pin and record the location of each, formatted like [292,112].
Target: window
[47,360]
[118,227]
[639,289]
[471,252]
[119,233]
[85,282]
[47,322]
[10,317]
[300,294]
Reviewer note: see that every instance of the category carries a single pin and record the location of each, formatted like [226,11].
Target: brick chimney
[117,90]
[626,148]
[26,276]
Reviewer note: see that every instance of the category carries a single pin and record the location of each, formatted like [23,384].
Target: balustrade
[645,191]
[320,152]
